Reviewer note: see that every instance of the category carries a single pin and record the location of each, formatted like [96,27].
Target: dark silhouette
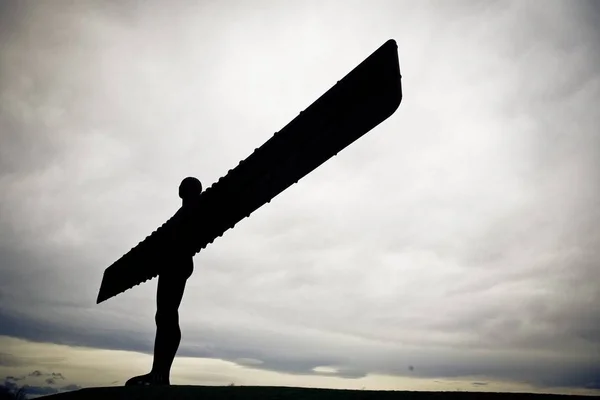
[292,393]
[363,99]
[171,285]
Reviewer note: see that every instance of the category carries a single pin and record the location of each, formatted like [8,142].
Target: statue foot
[150,379]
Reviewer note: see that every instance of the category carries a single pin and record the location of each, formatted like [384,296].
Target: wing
[363,99]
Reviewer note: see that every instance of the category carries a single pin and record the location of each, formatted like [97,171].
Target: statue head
[190,189]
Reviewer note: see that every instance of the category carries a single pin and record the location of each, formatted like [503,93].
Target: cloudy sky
[455,246]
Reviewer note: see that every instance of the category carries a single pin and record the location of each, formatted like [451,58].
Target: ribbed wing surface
[364,98]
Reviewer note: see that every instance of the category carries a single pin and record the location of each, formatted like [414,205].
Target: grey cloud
[51,375]
[53,378]
[39,390]
[357,360]
[48,331]
[8,360]
[33,390]
[251,362]
[14,378]
[9,386]
[466,222]
[71,387]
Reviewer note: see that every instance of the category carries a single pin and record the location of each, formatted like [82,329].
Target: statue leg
[168,334]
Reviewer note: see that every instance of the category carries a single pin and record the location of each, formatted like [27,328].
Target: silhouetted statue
[171,285]
[363,99]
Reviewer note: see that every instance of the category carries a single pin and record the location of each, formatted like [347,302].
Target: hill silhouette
[175,392]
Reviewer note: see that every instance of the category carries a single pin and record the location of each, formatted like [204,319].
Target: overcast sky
[456,242]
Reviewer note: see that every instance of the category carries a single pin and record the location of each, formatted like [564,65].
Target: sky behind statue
[455,246]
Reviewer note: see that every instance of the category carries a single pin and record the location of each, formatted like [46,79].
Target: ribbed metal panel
[363,99]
